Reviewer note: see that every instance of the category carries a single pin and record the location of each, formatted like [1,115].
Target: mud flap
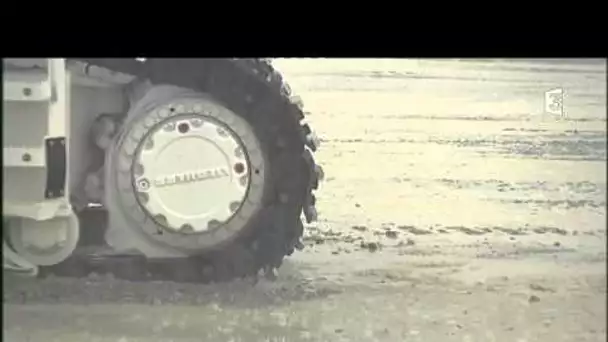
[56,167]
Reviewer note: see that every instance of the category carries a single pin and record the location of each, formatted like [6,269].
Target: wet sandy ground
[453,210]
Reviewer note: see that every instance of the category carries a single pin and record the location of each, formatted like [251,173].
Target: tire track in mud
[583,187]
[362,237]
[106,289]
[548,147]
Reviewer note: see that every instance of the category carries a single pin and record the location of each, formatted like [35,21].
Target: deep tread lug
[310,212]
[313,142]
[320,172]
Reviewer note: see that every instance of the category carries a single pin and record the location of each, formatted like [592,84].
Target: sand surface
[453,209]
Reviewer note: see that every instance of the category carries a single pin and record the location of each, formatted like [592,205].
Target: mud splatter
[414,230]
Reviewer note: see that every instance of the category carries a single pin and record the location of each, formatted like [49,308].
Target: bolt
[234,206]
[183,128]
[186,228]
[221,132]
[149,144]
[169,127]
[27,91]
[213,224]
[161,219]
[26,157]
[239,168]
[196,123]
[143,184]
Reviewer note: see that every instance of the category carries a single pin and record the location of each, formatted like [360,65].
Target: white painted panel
[29,85]
[23,156]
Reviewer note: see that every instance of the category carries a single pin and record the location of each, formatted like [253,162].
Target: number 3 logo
[554,101]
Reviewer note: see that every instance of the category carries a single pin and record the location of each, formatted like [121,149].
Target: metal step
[33,85]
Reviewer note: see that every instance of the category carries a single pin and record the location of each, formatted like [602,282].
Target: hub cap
[191,173]
[185,176]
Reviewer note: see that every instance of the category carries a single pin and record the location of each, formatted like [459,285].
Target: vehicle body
[201,161]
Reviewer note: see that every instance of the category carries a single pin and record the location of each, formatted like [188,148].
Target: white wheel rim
[23,232]
[205,229]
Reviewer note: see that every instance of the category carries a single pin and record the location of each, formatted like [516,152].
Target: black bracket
[56,163]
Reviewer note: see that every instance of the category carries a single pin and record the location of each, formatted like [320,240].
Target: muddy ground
[453,209]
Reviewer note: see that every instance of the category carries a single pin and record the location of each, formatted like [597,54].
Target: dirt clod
[467,230]
[360,228]
[554,230]
[540,288]
[391,234]
[414,230]
[349,239]
[370,246]
[511,231]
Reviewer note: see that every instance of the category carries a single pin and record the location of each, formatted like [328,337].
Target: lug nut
[239,168]
[143,184]
[183,128]
[196,123]
[169,127]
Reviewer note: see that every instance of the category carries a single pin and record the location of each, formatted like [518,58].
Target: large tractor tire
[256,220]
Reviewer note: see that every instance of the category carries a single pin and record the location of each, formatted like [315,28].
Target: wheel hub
[191,173]
[186,175]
